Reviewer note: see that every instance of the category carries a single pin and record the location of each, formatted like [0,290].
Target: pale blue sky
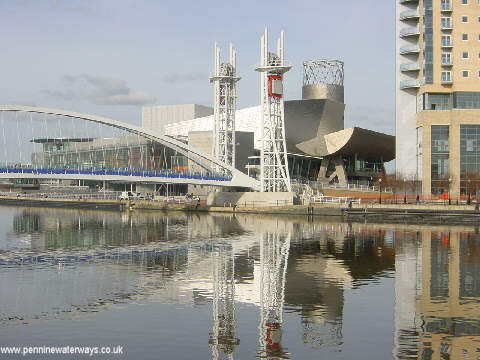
[107,57]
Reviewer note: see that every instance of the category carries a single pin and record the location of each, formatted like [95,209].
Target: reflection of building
[437,293]
[437,93]
[318,146]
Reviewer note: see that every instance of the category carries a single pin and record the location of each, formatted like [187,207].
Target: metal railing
[335,199]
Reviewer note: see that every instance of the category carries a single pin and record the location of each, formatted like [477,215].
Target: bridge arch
[204,160]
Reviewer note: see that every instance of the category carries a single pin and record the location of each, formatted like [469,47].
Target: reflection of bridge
[134,155]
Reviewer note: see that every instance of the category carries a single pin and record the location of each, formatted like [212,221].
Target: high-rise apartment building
[438,94]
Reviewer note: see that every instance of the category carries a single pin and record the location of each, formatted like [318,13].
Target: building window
[438,101]
[464,37]
[479,74]
[446,58]
[465,55]
[440,158]
[464,19]
[447,5]
[446,22]
[466,100]
[446,40]
[428,41]
[464,2]
[446,76]
[465,73]
[469,158]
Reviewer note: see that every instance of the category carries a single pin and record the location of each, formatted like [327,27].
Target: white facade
[248,119]
[157,117]
[406,109]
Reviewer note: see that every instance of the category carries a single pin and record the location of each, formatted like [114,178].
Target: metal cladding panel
[158,117]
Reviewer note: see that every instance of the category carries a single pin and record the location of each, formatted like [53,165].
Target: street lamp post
[449,200]
[404,191]
[380,189]
[469,199]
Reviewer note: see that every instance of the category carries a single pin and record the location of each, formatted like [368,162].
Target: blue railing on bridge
[162,174]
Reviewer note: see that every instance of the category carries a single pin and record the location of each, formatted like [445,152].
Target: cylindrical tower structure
[323,79]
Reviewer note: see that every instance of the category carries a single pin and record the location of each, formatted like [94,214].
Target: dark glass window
[428,41]
[438,101]
[469,158]
[440,158]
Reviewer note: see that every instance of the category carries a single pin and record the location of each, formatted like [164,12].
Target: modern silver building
[318,146]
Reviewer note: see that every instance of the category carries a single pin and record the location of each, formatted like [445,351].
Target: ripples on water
[275,287]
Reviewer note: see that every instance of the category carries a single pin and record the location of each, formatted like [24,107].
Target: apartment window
[479,74]
[464,2]
[447,5]
[446,76]
[466,100]
[446,22]
[465,73]
[479,16]
[464,19]
[465,55]
[446,40]
[479,55]
[465,37]
[446,58]
[440,157]
[438,101]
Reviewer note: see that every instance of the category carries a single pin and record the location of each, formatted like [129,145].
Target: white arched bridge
[43,143]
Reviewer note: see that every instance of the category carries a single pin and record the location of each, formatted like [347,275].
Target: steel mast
[274,175]
[274,251]
[225,89]
[222,337]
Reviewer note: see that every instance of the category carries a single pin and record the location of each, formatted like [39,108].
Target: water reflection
[68,263]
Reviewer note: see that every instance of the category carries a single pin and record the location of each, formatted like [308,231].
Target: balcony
[409,49]
[414,66]
[447,44]
[408,1]
[410,15]
[409,84]
[407,32]
[447,62]
[446,25]
[446,81]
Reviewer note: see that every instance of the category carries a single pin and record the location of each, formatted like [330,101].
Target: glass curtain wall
[469,158]
[440,159]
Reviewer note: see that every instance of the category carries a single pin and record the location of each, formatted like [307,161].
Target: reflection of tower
[274,252]
[224,79]
[273,162]
[222,338]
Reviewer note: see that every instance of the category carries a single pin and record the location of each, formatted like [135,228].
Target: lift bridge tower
[274,175]
[224,79]
[274,251]
[222,339]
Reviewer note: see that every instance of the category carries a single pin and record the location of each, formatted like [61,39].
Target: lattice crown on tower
[323,71]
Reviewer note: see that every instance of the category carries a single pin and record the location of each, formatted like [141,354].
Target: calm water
[195,286]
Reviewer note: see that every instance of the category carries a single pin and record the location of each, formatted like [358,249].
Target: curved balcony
[410,15]
[409,49]
[409,84]
[414,66]
[412,31]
